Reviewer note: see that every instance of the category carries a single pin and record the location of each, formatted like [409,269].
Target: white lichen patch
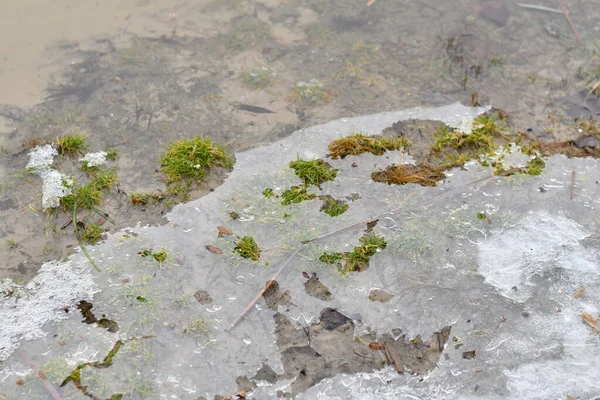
[56,185]
[94,159]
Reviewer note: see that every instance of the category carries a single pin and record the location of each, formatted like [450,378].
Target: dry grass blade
[565,12]
[591,321]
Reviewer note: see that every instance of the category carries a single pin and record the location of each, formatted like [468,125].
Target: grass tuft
[190,159]
[72,144]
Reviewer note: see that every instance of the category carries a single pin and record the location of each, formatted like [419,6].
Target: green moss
[331,258]
[112,153]
[535,166]
[481,215]
[72,144]
[190,159]
[358,259]
[268,193]
[333,207]
[358,144]
[314,172]
[247,248]
[146,198]
[296,194]
[159,256]
[91,233]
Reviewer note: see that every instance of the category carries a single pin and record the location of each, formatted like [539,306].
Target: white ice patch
[539,243]
[94,159]
[56,185]
[23,310]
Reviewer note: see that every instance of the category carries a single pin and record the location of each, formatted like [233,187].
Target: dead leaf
[579,292]
[224,231]
[591,321]
[376,346]
[20,382]
[569,397]
[213,249]
[468,355]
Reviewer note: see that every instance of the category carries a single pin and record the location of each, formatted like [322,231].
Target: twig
[572,196]
[51,389]
[89,257]
[269,283]
[564,10]
[370,2]
[539,8]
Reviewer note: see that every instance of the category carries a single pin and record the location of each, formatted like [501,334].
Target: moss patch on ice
[358,259]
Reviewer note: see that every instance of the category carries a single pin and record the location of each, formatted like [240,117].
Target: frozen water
[506,283]
[55,184]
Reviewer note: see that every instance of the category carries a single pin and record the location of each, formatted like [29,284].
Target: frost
[94,159]
[55,184]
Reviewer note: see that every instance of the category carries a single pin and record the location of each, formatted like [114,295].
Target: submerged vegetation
[258,78]
[311,93]
[333,207]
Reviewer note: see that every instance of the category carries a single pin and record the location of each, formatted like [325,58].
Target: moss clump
[190,159]
[159,256]
[423,174]
[333,207]
[296,194]
[535,166]
[331,258]
[91,233]
[112,153]
[72,144]
[268,193]
[247,248]
[313,172]
[258,78]
[358,259]
[146,198]
[358,144]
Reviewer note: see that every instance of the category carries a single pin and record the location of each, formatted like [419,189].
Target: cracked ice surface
[504,283]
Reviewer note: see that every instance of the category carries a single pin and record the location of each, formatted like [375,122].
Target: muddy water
[139,74]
